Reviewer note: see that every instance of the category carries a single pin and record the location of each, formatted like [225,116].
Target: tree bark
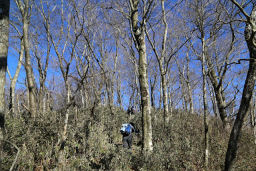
[43,67]
[118,91]
[28,66]
[170,105]
[4,38]
[190,96]
[160,95]
[162,65]
[61,152]
[219,94]
[152,90]
[139,38]
[165,98]
[15,78]
[250,31]
[206,125]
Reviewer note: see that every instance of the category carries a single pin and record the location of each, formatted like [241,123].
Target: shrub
[94,143]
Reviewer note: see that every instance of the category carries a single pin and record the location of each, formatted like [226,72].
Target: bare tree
[152,81]
[15,25]
[200,21]
[188,83]
[161,62]
[217,74]
[25,10]
[41,37]
[248,86]
[15,77]
[185,81]
[206,124]
[64,42]
[217,56]
[163,58]
[138,31]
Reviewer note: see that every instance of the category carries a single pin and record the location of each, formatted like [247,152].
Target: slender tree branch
[241,9]
[17,155]
[239,61]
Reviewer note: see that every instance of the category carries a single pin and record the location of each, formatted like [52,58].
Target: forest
[72,72]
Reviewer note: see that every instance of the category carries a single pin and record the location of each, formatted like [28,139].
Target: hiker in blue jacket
[126,131]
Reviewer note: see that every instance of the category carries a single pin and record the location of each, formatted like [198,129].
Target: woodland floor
[94,143]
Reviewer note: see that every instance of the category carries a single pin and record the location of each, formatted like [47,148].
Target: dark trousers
[127,141]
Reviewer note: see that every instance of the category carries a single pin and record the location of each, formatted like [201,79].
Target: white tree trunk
[139,34]
[206,125]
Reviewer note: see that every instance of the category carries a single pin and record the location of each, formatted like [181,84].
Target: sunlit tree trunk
[82,97]
[219,94]
[170,106]
[160,95]
[206,124]
[18,103]
[25,10]
[138,30]
[163,63]
[61,152]
[15,78]
[165,98]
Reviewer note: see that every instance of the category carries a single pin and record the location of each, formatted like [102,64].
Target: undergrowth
[94,143]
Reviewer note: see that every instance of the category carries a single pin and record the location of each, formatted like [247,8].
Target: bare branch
[17,155]
[174,53]
[241,9]
[239,61]
[9,74]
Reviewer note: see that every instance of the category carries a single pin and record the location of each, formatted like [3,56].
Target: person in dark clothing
[127,141]
[131,110]
[127,138]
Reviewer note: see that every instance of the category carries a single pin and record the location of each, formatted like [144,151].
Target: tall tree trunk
[139,34]
[190,96]
[118,90]
[82,97]
[136,101]
[247,92]
[162,66]
[160,95]
[4,35]
[170,106]
[152,90]
[15,78]
[165,98]
[219,94]
[41,97]
[18,103]
[213,99]
[61,152]
[206,126]
[28,65]
[110,92]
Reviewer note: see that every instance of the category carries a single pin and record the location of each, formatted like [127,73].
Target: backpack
[126,129]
